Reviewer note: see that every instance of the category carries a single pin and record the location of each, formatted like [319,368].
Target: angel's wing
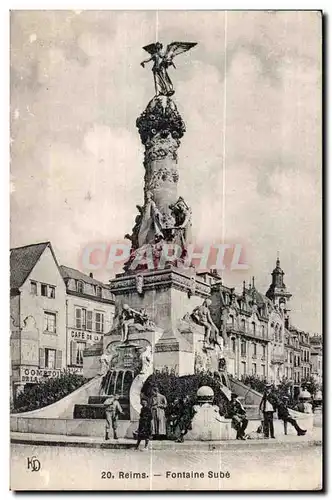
[151,49]
[176,48]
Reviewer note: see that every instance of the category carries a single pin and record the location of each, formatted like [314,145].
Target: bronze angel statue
[162,60]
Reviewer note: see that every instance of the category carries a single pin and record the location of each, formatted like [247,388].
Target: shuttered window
[89,321]
[99,322]
[78,317]
[49,322]
[76,353]
[50,358]
[58,359]
[72,352]
[41,358]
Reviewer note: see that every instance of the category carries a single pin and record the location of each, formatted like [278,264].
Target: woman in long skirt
[144,426]
[158,406]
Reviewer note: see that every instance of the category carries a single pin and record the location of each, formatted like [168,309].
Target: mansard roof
[71,273]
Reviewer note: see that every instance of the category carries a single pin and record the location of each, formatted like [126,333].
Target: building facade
[89,314]
[316,358]
[38,319]
[55,312]
[254,328]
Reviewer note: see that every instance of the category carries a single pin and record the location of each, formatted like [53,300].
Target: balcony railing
[246,331]
[277,357]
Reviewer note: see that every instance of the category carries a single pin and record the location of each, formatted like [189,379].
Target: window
[99,322]
[291,357]
[254,368]
[80,318]
[263,331]
[243,368]
[49,322]
[79,286]
[243,325]
[243,348]
[47,291]
[80,346]
[89,321]
[253,326]
[98,291]
[231,320]
[50,358]
[33,288]
[254,349]
[263,371]
[233,345]
[264,351]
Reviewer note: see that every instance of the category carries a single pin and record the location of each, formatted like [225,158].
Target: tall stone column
[161,127]
[164,217]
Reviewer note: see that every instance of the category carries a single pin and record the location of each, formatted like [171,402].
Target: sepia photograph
[166,250]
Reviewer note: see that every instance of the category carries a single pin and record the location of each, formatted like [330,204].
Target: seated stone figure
[201,315]
[129,316]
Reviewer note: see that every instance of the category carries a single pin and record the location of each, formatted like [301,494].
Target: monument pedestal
[167,295]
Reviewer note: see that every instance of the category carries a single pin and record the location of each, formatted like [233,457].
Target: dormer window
[98,291]
[79,287]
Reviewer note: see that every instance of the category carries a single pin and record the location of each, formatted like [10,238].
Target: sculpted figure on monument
[182,229]
[139,283]
[201,315]
[105,362]
[135,231]
[162,60]
[130,316]
[151,226]
[146,358]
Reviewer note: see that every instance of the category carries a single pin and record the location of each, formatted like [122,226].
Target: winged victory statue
[162,60]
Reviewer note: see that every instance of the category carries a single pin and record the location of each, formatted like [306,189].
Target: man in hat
[267,407]
[238,415]
[283,414]
[112,411]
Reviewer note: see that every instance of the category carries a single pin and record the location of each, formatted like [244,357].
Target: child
[112,411]
[144,426]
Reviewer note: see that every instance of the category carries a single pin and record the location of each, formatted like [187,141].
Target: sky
[249,163]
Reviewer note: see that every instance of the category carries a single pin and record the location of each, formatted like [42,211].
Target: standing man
[112,411]
[267,407]
[158,406]
[238,415]
[185,418]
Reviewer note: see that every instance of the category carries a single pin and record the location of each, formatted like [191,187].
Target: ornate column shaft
[160,127]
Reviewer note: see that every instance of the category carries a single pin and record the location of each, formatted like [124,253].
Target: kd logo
[33,464]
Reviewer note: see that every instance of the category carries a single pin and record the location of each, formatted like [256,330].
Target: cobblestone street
[296,469]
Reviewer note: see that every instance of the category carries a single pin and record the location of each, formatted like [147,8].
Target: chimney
[91,275]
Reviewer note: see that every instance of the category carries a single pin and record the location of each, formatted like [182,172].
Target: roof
[23,260]
[70,273]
